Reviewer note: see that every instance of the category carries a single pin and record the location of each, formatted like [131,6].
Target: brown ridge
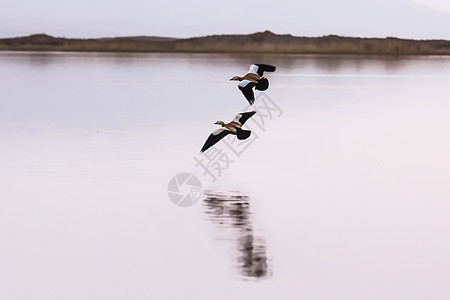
[260,42]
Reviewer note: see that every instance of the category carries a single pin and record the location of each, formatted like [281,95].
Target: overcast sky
[438,4]
[175,18]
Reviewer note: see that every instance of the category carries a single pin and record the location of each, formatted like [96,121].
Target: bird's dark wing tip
[213,139]
[265,68]
[245,116]
[248,92]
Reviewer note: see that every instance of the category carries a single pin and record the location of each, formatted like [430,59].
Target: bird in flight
[234,127]
[254,78]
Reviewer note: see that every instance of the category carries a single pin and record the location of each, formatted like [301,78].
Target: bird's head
[236,78]
[220,123]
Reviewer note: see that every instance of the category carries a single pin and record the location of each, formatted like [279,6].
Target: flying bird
[254,78]
[234,127]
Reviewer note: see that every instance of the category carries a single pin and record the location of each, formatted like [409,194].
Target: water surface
[342,195]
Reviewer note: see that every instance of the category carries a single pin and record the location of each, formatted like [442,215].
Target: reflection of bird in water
[231,214]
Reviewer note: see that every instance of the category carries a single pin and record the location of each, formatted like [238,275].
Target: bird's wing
[253,69]
[246,87]
[261,68]
[214,138]
[243,117]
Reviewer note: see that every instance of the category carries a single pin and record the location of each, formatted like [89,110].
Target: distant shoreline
[261,42]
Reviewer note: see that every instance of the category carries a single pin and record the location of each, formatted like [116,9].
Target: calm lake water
[342,192]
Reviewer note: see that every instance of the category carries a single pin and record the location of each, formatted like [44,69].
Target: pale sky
[437,4]
[175,18]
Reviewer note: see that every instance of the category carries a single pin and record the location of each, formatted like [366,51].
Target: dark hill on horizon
[260,42]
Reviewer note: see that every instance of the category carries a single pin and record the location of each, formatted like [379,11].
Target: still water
[342,193]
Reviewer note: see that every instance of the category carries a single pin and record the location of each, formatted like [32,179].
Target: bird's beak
[231,79]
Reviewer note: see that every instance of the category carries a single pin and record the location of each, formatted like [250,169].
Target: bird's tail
[243,134]
[263,84]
